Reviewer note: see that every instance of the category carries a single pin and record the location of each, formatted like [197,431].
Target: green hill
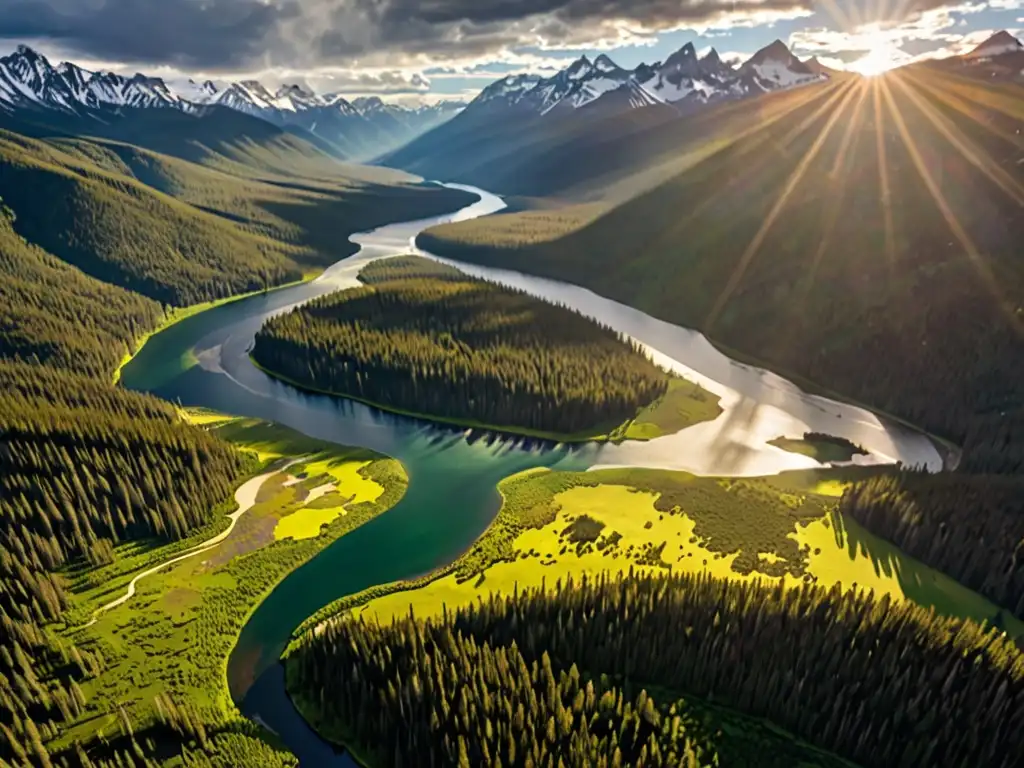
[868,244]
[182,233]
[867,241]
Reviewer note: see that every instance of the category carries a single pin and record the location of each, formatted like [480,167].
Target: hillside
[606,158]
[595,131]
[871,222]
[181,233]
[426,339]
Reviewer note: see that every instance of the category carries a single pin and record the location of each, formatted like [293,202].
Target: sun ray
[758,135]
[964,146]
[884,190]
[982,268]
[988,97]
[834,202]
[780,203]
[939,91]
[833,10]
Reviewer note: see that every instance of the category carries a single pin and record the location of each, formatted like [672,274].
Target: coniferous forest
[586,674]
[87,256]
[425,338]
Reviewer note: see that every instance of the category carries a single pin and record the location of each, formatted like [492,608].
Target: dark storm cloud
[187,33]
[229,35]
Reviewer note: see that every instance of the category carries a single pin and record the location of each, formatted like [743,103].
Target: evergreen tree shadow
[920,584]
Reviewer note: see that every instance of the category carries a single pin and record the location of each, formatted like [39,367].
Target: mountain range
[357,129]
[683,80]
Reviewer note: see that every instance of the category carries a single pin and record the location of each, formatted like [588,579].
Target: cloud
[245,35]
[362,82]
[198,34]
[926,33]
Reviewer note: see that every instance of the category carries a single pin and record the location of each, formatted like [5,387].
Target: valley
[700,444]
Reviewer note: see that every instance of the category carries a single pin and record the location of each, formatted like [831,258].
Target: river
[451,499]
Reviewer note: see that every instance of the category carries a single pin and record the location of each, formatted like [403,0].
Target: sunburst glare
[881,57]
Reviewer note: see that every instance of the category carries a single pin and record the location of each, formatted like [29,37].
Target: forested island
[422,337]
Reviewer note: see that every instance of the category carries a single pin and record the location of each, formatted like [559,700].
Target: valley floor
[783,527]
[167,646]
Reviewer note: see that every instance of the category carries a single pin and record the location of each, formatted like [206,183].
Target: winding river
[203,361]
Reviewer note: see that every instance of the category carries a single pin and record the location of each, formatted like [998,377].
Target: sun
[881,57]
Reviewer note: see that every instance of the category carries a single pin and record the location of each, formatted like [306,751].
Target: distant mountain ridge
[684,79]
[362,127]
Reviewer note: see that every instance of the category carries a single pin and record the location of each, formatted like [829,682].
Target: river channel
[451,499]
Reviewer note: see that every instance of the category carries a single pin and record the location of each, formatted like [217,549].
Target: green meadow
[555,525]
[170,642]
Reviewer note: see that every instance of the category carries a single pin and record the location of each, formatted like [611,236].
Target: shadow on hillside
[920,584]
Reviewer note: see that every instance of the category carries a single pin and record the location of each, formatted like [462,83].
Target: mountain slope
[182,233]
[1000,44]
[31,85]
[816,245]
[603,157]
[509,138]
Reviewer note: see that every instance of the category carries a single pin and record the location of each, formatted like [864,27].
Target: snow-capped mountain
[28,80]
[775,67]
[361,128]
[1000,44]
[684,75]
[507,92]
[683,79]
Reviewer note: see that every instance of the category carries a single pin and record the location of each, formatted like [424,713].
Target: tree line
[84,467]
[448,345]
[970,527]
[538,677]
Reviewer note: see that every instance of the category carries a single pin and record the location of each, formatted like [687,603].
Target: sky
[429,50]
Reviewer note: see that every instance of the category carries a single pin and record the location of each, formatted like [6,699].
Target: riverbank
[645,426]
[171,640]
[948,451]
[178,314]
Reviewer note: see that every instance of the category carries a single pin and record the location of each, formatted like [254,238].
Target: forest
[900,287]
[425,338]
[586,673]
[96,244]
[183,234]
[84,467]
[968,526]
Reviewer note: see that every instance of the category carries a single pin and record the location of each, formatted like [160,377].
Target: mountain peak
[368,103]
[579,68]
[26,51]
[775,51]
[1000,43]
[604,63]
[712,57]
